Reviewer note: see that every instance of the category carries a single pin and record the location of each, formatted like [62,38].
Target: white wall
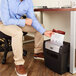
[0,8]
[51,2]
[57,20]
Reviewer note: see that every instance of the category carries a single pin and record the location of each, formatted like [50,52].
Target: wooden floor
[33,67]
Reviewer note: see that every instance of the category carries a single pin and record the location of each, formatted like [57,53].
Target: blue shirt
[12,10]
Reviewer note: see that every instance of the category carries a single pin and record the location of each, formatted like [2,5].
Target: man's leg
[38,38]
[16,33]
[38,43]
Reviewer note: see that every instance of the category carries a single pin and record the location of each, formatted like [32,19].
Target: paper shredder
[57,61]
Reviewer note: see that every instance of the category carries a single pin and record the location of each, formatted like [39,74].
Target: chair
[5,45]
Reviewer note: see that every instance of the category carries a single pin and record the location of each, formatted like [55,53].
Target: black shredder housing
[58,62]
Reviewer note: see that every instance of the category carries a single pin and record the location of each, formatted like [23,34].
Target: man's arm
[30,14]
[5,16]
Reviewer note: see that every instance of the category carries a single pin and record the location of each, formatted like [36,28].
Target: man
[12,25]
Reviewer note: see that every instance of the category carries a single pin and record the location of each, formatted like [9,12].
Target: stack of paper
[58,37]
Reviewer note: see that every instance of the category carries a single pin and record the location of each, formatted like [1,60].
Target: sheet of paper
[57,39]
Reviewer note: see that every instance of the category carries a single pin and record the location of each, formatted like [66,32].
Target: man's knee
[18,33]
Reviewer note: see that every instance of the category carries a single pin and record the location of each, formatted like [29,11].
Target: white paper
[57,39]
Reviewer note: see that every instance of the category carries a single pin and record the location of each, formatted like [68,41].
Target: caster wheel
[3,61]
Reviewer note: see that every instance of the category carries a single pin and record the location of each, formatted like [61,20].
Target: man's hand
[28,21]
[48,33]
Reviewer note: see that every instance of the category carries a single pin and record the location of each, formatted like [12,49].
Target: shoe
[20,70]
[39,56]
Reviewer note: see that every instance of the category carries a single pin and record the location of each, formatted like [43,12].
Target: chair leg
[4,57]
[5,51]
